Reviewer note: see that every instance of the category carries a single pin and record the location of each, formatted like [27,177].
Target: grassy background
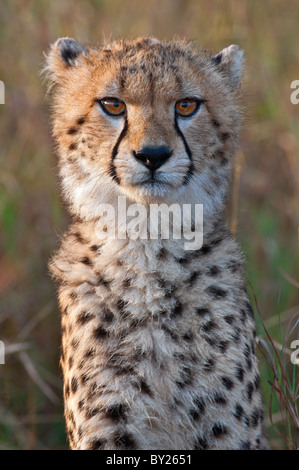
[264,209]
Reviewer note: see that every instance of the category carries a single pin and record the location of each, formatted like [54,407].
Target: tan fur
[158,342]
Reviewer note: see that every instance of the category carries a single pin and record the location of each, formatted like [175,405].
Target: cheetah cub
[158,342]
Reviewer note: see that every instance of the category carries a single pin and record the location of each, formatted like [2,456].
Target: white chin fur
[86,198]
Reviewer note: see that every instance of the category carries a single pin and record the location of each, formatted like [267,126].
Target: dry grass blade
[277,356]
[43,313]
[30,368]
[16,348]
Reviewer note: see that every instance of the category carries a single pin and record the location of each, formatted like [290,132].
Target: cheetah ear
[64,54]
[230,62]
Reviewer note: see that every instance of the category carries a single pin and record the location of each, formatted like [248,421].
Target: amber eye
[113,106]
[187,107]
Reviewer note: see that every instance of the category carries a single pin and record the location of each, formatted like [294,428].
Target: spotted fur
[158,343]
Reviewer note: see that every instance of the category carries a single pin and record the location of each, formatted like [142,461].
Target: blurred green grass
[265,210]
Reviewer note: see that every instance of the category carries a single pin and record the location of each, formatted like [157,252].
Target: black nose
[153,157]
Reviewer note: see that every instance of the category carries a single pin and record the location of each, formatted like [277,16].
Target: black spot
[103,282]
[100,333]
[209,365]
[257,382]
[127,283]
[238,412]
[219,399]
[204,250]
[176,310]
[86,261]
[233,265]
[200,404]
[249,310]
[244,445]
[91,412]
[81,120]
[72,130]
[73,295]
[255,418]
[124,441]
[116,412]
[219,430]
[258,443]
[162,254]
[108,316]
[216,123]
[95,247]
[121,306]
[74,384]
[225,136]
[223,158]
[212,341]
[73,146]
[79,237]
[169,289]
[81,405]
[92,391]
[213,270]
[249,391]
[237,334]
[171,333]
[229,319]
[201,311]
[84,317]
[188,336]
[208,326]
[89,353]
[243,315]
[183,260]
[246,351]
[194,275]
[201,443]
[227,382]
[144,387]
[186,378]
[75,343]
[216,292]
[246,421]
[223,345]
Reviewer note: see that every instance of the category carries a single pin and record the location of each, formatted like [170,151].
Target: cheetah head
[149,120]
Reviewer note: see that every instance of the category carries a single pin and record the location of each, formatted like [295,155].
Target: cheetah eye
[113,106]
[187,107]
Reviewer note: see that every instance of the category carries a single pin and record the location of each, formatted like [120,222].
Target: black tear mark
[180,133]
[112,169]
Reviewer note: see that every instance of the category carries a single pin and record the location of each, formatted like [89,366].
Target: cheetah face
[154,121]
